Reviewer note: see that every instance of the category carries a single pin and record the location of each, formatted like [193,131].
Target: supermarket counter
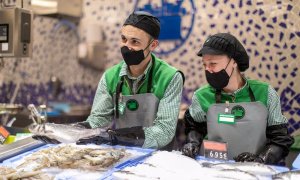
[145,163]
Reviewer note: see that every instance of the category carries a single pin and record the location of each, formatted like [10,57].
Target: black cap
[226,44]
[145,21]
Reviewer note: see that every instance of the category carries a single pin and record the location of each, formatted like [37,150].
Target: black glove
[272,154]
[278,144]
[45,139]
[277,147]
[133,136]
[195,133]
[191,149]
[94,140]
[248,157]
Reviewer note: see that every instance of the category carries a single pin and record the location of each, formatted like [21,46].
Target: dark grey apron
[248,134]
[141,113]
[139,110]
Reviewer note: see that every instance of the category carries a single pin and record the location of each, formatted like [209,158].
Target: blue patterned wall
[270,30]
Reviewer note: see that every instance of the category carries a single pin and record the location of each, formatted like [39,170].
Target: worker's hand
[133,136]
[45,139]
[191,150]
[94,140]
[248,157]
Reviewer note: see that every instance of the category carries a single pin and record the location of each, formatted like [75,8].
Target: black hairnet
[225,43]
[145,21]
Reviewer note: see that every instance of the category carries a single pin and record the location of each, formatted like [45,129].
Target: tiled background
[269,29]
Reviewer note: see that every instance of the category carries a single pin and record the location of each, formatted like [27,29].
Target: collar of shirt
[125,71]
[238,90]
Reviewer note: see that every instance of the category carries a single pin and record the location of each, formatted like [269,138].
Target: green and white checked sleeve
[275,116]
[196,110]
[164,128]
[103,108]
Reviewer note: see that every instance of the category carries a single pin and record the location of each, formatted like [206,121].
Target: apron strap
[118,92]
[252,97]
[218,95]
[149,85]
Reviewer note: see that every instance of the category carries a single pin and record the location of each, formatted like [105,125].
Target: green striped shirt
[275,116]
[164,128]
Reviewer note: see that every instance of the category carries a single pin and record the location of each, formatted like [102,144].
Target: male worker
[140,95]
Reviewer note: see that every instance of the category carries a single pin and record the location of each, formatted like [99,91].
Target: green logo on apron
[238,112]
[132,104]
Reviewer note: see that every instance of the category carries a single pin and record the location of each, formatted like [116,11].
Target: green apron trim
[162,75]
[206,94]
[296,145]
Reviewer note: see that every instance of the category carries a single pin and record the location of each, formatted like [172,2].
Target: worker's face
[218,70]
[136,46]
[215,63]
[136,39]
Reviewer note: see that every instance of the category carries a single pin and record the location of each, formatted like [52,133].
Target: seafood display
[6,170]
[65,160]
[250,167]
[65,133]
[173,165]
[7,173]
[289,175]
[73,157]
[71,161]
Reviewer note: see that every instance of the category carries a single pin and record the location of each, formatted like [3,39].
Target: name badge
[226,118]
[215,150]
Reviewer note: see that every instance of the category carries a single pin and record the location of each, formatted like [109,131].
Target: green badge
[238,112]
[132,104]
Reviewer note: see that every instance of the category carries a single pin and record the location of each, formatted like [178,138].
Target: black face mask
[133,57]
[218,80]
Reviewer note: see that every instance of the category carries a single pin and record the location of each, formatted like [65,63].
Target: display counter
[136,163]
[11,150]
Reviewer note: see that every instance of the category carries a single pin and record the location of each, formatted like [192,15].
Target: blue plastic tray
[296,163]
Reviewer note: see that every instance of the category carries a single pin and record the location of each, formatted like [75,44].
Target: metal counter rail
[18,147]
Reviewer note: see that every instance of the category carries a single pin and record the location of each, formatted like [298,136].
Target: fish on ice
[288,175]
[65,133]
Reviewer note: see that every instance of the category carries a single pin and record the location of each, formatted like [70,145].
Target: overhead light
[71,8]
[44,3]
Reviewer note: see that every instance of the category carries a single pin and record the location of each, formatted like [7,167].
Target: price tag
[215,150]
[3,134]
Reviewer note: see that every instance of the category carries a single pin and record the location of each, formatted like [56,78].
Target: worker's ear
[154,44]
[234,63]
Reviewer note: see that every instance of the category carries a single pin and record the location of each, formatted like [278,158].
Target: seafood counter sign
[3,134]
[215,150]
[176,20]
